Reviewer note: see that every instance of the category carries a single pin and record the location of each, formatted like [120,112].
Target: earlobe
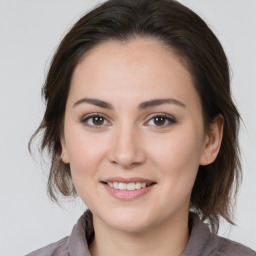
[212,141]
[64,156]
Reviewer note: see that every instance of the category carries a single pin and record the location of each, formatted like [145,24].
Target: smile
[128,189]
[128,186]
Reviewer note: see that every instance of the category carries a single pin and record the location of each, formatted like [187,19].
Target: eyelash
[167,117]
[88,117]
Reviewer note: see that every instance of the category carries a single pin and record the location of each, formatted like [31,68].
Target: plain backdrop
[30,31]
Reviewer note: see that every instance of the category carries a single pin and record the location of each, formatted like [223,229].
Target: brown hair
[188,35]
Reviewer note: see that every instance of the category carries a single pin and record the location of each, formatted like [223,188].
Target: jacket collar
[83,233]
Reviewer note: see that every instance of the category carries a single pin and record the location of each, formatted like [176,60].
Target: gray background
[30,31]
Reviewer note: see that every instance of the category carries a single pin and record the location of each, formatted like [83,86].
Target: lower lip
[127,194]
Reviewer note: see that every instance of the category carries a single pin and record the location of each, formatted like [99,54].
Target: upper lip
[128,180]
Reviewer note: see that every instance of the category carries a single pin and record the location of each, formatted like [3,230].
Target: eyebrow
[143,105]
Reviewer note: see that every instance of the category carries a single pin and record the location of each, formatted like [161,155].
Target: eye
[161,120]
[95,120]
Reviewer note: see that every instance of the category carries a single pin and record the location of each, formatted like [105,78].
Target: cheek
[176,159]
[178,155]
[85,152]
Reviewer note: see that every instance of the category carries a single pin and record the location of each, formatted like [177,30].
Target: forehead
[142,68]
[148,53]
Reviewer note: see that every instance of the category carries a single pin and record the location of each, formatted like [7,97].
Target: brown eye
[98,120]
[94,121]
[159,121]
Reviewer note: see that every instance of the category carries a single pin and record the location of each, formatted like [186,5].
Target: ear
[212,141]
[64,155]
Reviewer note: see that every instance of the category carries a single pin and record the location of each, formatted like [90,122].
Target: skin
[129,142]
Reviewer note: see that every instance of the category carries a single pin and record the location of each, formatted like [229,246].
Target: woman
[140,125]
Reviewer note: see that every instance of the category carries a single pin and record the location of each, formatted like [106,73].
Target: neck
[168,238]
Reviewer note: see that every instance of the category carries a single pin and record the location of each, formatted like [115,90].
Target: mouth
[128,188]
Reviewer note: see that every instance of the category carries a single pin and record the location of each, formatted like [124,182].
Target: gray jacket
[201,241]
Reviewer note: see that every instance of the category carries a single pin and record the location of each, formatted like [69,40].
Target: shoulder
[225,247]
[59,248]
[202,242]
[76,243]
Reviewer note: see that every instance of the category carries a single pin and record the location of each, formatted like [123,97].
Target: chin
[134,226]
[131,221]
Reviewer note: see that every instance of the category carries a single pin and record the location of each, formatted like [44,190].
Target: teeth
[127,186]
[138,185]
[115,185]
[130,186]
[122,186]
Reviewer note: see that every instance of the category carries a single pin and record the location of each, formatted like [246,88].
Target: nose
[125,148]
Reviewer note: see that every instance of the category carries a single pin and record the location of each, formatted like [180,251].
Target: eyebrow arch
[143,105]
[96,102]
[157,102]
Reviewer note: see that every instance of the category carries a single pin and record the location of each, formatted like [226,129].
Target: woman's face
[133,119]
